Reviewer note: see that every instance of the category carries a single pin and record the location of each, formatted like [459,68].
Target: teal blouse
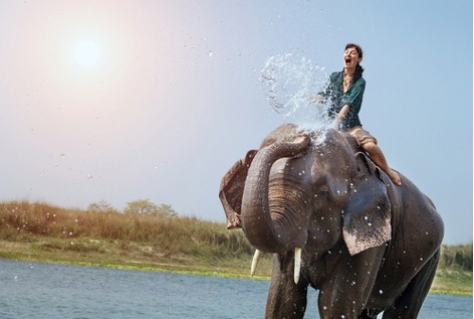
[333,92]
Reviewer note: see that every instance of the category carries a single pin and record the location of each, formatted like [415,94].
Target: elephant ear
[367,215]
[232,189]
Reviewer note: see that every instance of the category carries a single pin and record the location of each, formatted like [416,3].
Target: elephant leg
[408,305]
[285,298]
[345,293]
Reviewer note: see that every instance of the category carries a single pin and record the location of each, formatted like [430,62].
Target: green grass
[453,282]
[45,233]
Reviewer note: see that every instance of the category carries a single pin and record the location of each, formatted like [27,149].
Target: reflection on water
[50,291]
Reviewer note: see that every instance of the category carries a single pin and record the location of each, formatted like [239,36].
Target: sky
[118,100]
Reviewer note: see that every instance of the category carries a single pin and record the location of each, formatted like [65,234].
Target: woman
[345,91]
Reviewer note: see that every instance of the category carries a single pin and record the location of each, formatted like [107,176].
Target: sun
[87,53]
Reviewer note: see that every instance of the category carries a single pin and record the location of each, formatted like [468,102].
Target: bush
[456,257]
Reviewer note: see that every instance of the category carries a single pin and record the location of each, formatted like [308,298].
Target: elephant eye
[323,190]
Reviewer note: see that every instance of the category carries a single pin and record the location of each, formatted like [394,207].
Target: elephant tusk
[297,264]
[256,258]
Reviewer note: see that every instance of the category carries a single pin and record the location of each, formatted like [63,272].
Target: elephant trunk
[262,231]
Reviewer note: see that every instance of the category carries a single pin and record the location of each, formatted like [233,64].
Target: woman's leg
[377,156]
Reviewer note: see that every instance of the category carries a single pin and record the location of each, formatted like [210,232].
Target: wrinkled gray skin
[368,245]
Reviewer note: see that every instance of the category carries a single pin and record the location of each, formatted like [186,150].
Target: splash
[290,83]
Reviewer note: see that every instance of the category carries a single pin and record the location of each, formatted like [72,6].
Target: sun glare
[87,53]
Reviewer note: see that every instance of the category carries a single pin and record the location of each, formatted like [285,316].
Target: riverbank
[159,242]
[133,256]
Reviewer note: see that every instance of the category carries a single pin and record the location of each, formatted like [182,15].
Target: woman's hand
[317,99]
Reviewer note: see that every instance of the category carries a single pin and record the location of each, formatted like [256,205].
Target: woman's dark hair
[359,69]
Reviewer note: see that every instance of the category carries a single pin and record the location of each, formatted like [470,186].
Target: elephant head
[307,191]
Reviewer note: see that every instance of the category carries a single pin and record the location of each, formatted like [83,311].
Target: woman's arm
[340,116]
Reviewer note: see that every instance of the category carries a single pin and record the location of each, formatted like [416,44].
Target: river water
[53,291]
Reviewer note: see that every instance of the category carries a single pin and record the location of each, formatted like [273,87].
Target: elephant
[334,221]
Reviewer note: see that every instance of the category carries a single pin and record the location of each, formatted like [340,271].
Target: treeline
[157,225]
[141,206]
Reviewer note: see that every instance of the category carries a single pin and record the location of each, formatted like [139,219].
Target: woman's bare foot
[395,177]
[377,156]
